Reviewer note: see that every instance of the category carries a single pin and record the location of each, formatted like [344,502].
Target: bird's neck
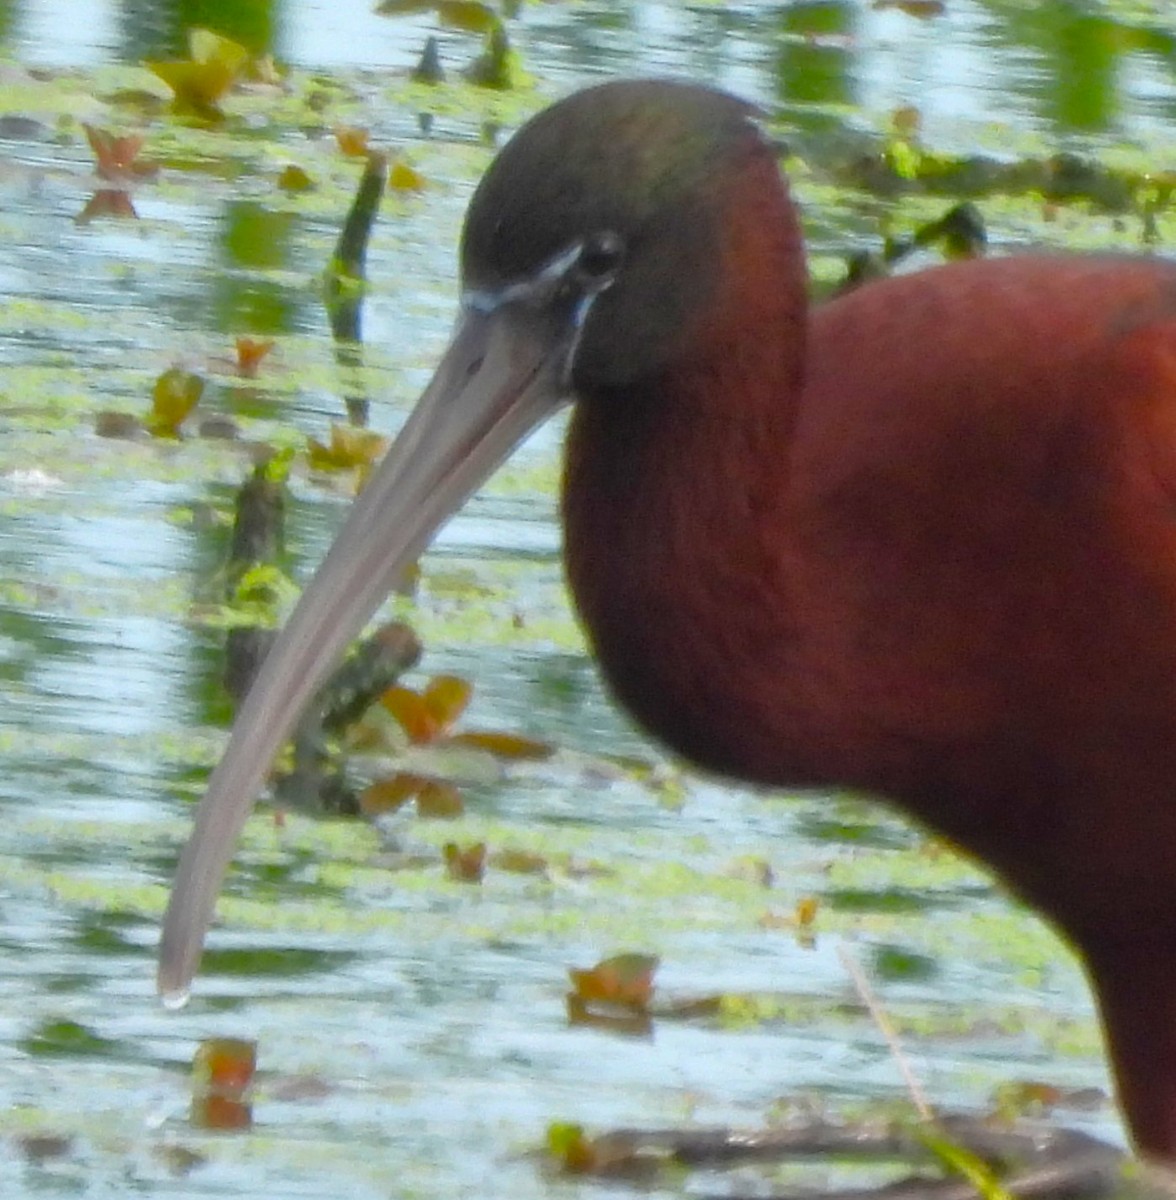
[674,492]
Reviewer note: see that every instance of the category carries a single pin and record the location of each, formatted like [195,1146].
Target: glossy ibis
[920,540]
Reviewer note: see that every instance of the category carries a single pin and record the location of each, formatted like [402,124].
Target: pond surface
[413,1032]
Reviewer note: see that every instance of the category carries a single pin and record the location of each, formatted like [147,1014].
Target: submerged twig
[886,1028]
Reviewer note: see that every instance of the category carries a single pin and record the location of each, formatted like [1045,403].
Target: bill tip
[174,998]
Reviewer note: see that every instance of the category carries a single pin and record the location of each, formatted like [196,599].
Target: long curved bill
[503,373]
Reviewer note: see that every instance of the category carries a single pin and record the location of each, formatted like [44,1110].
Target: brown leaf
[465,866]
[352,140]
[388,795]
[520,862]
[223,1070]
[250,352]
[625,980]
[446,698]
[224,1065]
[410,709]
[116,155]
[438,800]
[505,745]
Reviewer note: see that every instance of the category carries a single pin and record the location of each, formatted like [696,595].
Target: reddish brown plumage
[937,563]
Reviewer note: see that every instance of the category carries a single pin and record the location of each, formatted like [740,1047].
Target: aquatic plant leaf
[520,862]
[923,9]
[625,980]
[412,713]
[293,178]
[200,82]
[615,1155]
[388,795]
[222,1081]
[250,352]
[468,15]
[438,800]
[68,1039]
[806,911]
[174,395]
[224,1064]
[352,140]
[349,448]
[206,46]
[403,178]
[116,156]
[465,865]
[568,1143]
[197,88]
[505,745]
[446,698]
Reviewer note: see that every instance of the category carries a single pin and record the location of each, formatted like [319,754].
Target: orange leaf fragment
[223,1070]
[387,795]
[439,801]
[505,745]
[116,156]
[175,394]
[225,1065]
[520,862]
[465,866]
[446,698]
[411,711]
[625,980]
[352,140]
[250,352]
[806,911]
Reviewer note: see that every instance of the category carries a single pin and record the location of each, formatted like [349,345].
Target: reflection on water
[431,1016]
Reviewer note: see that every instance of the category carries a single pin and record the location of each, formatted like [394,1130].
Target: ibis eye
[599,260]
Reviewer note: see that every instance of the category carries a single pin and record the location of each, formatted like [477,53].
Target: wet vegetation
[229,258]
